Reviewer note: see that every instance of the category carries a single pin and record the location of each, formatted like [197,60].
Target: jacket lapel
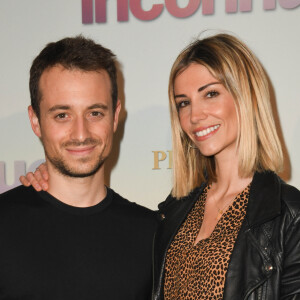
[250,264]
[264,202]
[175,212]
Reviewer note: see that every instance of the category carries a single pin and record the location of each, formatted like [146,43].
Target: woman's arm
[290,280]
[38,179]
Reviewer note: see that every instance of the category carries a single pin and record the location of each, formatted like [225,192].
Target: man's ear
[34,121]
[116,116]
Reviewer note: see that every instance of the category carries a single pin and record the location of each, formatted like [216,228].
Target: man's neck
[79,192]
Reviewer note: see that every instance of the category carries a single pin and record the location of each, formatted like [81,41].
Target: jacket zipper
[266,260]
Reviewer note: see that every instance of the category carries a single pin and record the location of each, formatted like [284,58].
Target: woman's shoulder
[270,195]
[290,196]
[172,203]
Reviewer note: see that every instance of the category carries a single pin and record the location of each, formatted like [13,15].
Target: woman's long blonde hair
[232,63]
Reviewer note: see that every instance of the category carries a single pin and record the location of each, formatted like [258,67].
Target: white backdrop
[146,51]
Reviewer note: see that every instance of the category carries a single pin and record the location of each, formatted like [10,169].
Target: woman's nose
[198,112]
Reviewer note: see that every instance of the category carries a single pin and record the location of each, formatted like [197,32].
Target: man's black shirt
[50,250]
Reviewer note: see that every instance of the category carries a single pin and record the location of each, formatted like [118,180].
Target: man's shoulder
[132,209]
[19,191]
[19,195]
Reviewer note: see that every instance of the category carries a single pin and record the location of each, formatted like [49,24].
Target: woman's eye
[212,94]
[182,104]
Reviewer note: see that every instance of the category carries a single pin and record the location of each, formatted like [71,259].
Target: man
[80,239]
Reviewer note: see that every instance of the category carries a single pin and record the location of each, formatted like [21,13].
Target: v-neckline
[228,209]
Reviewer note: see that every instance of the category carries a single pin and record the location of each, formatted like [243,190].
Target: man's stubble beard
[63,167]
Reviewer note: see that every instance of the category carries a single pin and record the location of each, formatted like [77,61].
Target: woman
[231,227]
[236,235]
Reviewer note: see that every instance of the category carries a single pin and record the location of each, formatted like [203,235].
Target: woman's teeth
[207,130]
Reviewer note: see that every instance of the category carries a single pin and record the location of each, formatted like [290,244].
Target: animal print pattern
[198,271]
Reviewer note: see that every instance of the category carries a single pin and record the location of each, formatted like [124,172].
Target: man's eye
[96,114]
[61,116]
[212,94]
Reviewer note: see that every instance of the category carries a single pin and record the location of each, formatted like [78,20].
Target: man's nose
[80,129]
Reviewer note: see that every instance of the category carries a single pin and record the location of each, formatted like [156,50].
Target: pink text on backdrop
[97,8]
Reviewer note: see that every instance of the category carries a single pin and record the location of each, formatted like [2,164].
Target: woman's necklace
[223,209]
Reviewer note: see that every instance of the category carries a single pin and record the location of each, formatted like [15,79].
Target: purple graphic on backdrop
[97,8]
[19,169]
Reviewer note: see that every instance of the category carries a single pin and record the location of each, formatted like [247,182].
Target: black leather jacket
[265,263]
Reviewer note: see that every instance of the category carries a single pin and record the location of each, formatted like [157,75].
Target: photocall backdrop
[146,35]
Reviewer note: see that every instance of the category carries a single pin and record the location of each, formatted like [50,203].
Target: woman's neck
[229,180]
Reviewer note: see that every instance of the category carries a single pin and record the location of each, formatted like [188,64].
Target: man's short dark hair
[72,53]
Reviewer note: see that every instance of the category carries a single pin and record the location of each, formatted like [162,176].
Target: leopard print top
[198,271]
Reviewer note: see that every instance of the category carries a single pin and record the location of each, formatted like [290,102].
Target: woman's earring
[192,146]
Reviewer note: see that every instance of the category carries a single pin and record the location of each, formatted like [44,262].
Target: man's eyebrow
[59,107]
[67,107]
[98,105]
[199,90]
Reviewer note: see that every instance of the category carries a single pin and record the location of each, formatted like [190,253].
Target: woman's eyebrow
[199,90]
[207,85]
[179,96]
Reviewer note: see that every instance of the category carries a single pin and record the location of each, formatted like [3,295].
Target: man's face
[77,122]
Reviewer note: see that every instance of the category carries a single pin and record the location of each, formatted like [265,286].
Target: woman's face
[206,111]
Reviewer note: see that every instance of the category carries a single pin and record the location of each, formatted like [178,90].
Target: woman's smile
[207,111]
